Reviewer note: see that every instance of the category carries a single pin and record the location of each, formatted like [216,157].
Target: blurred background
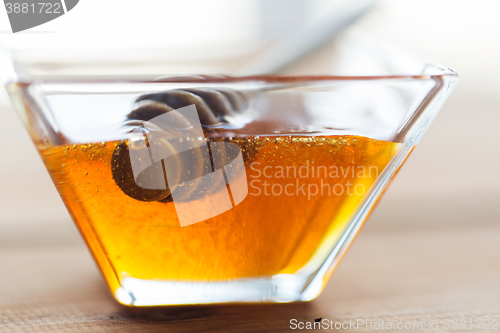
[449,185]
[451,178]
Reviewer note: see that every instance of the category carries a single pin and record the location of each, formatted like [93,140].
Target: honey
[302,193]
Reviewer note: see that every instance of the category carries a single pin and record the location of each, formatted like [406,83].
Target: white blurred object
[179,37]
[304,39]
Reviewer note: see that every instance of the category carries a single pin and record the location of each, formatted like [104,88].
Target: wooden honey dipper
[212,106]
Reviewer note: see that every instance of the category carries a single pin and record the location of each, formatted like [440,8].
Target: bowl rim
[447,73]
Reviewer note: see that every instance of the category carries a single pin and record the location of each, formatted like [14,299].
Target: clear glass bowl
[212,189]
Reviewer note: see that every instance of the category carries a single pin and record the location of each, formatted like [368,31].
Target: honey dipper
[212,106]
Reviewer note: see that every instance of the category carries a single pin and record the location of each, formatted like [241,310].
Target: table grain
[407,275]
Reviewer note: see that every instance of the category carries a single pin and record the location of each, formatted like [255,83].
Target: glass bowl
[212,189]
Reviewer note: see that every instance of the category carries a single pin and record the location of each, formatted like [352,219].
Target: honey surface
[278,228]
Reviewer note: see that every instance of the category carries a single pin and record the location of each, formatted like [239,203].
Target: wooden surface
[398,276]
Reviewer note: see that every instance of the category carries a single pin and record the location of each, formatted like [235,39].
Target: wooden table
[396,275]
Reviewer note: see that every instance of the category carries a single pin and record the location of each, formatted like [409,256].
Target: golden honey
[302,192]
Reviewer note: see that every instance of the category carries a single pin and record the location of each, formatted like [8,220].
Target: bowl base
[281,288]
